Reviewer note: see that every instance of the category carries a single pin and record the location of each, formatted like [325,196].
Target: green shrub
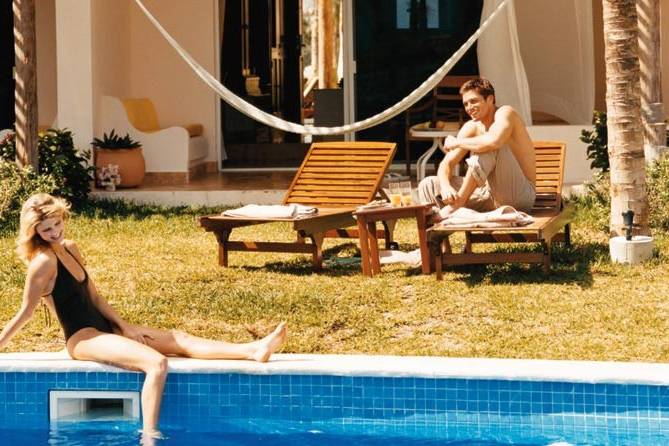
[16,185]
[114,141]
[597,141]
[595,204]
[657,183]
[58,158]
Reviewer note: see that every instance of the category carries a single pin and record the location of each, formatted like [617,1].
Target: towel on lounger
[504,216]
[387,256]
[271,211]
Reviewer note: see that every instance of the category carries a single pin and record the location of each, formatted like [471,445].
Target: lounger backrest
[550,156]
[340,174]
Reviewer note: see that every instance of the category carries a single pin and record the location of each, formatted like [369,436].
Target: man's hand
[448,194]
[450,143]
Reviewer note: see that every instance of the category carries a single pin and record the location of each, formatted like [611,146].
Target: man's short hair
[481,85]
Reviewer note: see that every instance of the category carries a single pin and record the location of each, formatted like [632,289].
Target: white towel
[504,216]
[412,258]
[271,211]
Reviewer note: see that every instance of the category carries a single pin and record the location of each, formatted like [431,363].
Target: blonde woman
[93,330]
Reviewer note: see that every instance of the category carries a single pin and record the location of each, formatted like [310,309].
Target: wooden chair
[444,105]
[336,178]
[551,221]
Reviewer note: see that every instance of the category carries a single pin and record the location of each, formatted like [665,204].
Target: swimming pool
[329,399]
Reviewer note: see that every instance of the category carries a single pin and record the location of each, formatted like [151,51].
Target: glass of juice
[405,189]
[395,194]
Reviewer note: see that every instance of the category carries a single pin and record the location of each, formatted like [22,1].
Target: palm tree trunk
[25,96]
[651,79]
[623,104]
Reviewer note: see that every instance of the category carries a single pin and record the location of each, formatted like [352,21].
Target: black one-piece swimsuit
[74,306]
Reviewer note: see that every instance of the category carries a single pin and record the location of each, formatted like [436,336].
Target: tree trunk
[25,96]
[650,60]
[623,104]
[327,72]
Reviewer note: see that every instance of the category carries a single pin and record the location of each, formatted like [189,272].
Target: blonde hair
[35,210]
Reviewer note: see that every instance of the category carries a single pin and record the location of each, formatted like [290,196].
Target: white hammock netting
[268,119]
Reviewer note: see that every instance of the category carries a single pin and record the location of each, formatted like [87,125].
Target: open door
[261,61]
[7,116]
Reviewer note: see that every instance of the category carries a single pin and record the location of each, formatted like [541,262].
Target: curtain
[500,60]
[556,40]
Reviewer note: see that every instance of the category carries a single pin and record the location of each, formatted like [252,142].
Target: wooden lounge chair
[335,178]
[551,221]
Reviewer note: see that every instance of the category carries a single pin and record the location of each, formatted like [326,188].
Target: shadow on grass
[121,209]
[338,261]
[569,265]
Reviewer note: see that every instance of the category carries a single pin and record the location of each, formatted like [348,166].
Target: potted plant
[121,151]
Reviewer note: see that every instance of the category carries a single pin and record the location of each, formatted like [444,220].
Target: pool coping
[376,366]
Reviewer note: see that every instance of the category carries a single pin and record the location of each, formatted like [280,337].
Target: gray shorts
[500,181]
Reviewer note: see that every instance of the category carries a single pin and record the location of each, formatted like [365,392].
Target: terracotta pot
[130,164]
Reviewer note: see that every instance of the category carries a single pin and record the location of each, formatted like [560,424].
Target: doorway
[261,61]
[7,116]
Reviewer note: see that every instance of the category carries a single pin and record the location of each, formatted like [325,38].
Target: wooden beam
[25,96]
[327,69]
[650,62]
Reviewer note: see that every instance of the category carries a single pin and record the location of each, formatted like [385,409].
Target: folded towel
[412,258]
[504,216]
[271,211]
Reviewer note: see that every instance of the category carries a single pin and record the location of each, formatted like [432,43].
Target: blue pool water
[359,432]
[301,409]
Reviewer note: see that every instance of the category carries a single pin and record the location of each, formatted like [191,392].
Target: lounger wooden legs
[222,239]
[317,241]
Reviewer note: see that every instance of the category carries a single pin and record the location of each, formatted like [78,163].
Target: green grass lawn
[157,267]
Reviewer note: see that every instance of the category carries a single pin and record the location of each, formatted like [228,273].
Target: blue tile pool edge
[393,392]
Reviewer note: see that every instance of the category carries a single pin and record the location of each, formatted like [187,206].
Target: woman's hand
[136,333]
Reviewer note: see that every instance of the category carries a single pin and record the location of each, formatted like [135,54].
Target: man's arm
[496,136]
[447,166]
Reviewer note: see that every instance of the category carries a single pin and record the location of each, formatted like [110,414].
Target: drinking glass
[395,194]
[405,190]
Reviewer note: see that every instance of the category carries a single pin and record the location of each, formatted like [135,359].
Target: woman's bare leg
[174,342]
[93,345]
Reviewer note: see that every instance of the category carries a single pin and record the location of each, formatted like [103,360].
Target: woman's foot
[270,343]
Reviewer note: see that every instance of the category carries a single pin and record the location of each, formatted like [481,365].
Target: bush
[69,168]
[597,141]
[16,185]
[657,183]
[595,204]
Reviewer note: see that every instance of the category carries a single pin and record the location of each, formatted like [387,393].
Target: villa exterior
[91,49]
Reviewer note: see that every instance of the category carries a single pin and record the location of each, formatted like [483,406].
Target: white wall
[75,69]
[157,71]
[577,166]
[45,28]
[111,47]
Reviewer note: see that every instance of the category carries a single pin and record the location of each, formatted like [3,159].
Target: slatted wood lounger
[335,177]
[550,219]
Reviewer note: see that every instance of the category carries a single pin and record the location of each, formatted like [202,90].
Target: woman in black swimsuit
[93,330]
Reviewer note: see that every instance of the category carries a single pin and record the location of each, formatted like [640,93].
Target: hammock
[268,119]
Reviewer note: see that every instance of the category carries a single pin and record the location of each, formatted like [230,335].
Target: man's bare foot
[270,343]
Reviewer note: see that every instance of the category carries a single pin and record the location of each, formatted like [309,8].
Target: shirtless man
[501,167]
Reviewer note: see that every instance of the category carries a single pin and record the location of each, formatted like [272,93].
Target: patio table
[369,244]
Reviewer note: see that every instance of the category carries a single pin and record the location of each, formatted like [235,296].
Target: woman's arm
[40,271]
